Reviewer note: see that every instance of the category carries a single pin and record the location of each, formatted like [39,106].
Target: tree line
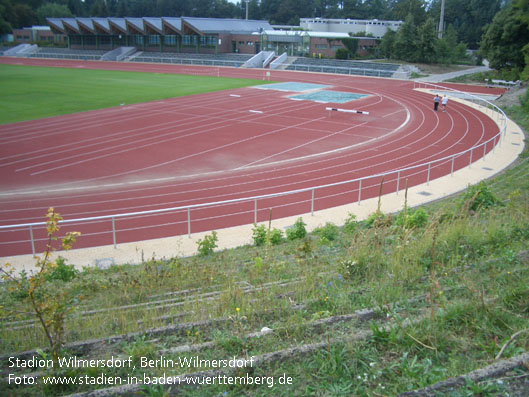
[466,16]
[499,28]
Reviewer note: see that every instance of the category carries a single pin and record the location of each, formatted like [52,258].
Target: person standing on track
[444,102]
[436,101]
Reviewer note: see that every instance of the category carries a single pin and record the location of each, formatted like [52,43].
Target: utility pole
[247,1]
[441,20]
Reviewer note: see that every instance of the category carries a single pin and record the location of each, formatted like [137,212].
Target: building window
[321,46]
[75,40]
[189,41]
[170,40]
[104,40]
[153,39]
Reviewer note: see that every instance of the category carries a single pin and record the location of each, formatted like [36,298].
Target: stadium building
[183,35]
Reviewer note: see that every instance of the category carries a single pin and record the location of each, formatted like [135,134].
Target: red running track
[221,146]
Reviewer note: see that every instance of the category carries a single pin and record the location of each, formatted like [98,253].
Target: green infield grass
[30,92]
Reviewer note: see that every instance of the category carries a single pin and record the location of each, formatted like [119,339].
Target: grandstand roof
[160,25]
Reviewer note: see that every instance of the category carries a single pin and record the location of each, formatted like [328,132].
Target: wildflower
[326,299]
[237,309]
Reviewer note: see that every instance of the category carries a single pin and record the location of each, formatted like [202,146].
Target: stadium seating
[67,53]
[235,60]
[344,67]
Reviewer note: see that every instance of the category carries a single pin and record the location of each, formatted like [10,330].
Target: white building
[369,27]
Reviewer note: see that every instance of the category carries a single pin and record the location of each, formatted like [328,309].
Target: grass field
[30,92]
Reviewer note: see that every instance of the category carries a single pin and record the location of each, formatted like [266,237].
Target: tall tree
[269,9]
[417,8]
[290,11]
[355,9]
[53,10]
[387,44]
[405,47]
[468,17]
[427,42]
[506,40]
[6,16]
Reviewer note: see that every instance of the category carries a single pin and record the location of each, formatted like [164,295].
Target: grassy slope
[36,92]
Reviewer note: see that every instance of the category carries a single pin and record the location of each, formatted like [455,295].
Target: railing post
[398,180]
[452,168]
[255,211]
[484,150]
[428,177]
[470,163]
[32,239]
[114,232]
[188,222]
[359,191]
[312,203]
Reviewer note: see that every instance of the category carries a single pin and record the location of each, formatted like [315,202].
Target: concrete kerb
[511,145]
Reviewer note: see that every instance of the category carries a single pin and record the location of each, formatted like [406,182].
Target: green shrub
[276,236]
[62,271]
[259,234]
[350,224]
[329,232]
[412,218]
[297,231]
[378,218]
[208,244]
[478,197]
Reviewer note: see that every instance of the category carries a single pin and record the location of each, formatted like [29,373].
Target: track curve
[220,146]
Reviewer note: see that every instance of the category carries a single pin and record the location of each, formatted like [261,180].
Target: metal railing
[473,152]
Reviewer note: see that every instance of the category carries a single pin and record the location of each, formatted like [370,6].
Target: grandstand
[233,60]
[67,53]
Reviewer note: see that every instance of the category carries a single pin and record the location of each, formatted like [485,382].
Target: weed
[327,233]
[50,302]
[207,245]
[297,231]
[478,197]
[350,224]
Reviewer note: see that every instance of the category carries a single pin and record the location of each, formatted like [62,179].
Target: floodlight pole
[247,1]
[441,20]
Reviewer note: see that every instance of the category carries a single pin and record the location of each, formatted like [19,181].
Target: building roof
[202,26]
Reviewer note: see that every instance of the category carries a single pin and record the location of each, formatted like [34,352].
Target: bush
[378,219]
[350,224]
[342,53]
[329,232]
[276,236]
[62,271]
[297,231]
[479,196]
[259,234]
[208,244]
[413,219]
